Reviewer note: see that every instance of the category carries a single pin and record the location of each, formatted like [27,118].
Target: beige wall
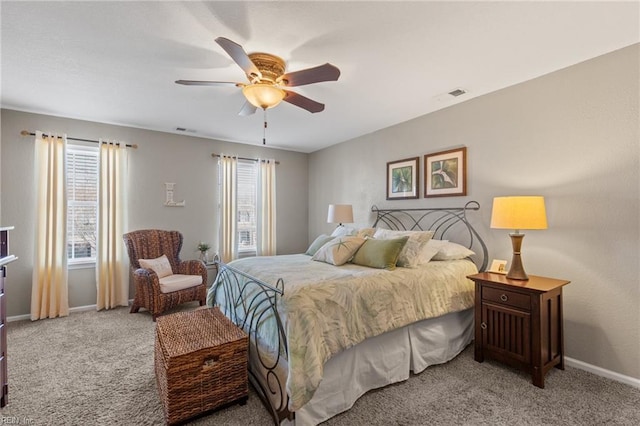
[160,158]
[571,136]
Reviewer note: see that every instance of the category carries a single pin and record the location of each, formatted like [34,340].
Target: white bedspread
[327,309]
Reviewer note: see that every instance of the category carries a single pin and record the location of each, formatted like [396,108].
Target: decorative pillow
[317,243]
[350,230]
[343,230]
[366,232]
[339,250]
[410,254]
[452,251]
[160,266]
[381,254]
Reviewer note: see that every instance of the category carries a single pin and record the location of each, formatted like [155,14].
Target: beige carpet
[96,368]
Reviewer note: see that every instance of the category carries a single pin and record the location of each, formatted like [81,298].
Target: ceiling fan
[267,79]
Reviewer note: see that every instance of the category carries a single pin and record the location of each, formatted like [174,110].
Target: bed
[322,335]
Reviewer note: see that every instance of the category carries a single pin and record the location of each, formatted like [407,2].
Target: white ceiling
[116,62]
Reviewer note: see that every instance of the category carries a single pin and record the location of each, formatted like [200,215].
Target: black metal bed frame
[249,302]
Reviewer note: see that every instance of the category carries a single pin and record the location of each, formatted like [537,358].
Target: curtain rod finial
[25,133]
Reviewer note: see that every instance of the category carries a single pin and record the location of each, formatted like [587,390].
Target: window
[247,200]
[82,203]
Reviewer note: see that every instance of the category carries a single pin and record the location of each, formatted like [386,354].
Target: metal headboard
[448,223]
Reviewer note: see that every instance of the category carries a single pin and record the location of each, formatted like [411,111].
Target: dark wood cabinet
[5,258]
[519,322]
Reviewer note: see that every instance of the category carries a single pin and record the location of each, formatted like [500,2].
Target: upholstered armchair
[161,279]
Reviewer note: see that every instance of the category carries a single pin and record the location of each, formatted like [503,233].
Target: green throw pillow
[317,243]
[381,254]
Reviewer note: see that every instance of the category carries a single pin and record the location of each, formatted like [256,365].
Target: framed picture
[498,266]
[445,173]
[403,178]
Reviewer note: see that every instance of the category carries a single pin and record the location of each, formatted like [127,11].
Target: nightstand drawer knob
[483,325]
[504,297]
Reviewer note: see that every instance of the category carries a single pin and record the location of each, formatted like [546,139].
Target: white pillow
[410,256]
[160,266]
[451,251]
[428,252]
[318,243]
[339,251]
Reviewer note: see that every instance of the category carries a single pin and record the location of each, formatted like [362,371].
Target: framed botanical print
[445,173]
[403,179]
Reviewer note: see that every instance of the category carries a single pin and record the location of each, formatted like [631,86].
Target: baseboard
[598,371]
[71,310]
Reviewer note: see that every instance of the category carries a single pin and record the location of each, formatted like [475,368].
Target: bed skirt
[383,360]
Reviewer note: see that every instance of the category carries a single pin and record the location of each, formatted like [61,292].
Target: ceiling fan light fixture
[263,95]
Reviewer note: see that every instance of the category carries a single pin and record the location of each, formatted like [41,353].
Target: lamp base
[516,271]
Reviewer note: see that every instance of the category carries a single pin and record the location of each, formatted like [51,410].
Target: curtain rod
[28,133]
[244,158]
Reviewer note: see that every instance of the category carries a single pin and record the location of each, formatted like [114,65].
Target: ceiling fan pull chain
[264,130]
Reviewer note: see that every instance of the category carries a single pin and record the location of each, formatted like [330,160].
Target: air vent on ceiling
[184,129]
[457,92]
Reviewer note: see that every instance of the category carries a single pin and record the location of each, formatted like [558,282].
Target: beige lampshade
[340,213]
[522,212]
[263,95]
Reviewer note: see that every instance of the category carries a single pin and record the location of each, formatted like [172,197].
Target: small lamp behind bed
[518,213]
[340,213]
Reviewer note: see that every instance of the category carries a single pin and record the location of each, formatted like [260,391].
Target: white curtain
[112,277]
[228,208]
[267,208]
[49,288]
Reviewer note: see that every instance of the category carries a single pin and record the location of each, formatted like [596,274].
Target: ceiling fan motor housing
[271,66]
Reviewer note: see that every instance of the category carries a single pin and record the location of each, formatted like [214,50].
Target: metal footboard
[252,304]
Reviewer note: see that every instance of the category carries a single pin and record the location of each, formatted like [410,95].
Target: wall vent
[457,92]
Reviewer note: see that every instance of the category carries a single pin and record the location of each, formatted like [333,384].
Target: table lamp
[522,212]
[340,213]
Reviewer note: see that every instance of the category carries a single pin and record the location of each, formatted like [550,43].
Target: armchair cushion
[177,282]
[160,265]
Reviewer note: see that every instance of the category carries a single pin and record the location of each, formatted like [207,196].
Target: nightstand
[212,272]
[519,323]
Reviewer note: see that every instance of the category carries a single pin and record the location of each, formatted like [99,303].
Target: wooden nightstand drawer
[506,297]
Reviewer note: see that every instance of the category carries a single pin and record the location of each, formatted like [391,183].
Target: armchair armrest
[147,277]
[193,267]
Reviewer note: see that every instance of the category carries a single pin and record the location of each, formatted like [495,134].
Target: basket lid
[187,332]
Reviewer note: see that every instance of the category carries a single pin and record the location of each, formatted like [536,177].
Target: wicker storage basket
[200,363]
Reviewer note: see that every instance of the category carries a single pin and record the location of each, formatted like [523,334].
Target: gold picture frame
[498,266]
[445,173]
[403,179]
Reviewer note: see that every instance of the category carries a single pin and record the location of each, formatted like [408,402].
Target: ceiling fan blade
[247,109]
[326,72]
[303,102]
[240,57]
[205,83]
